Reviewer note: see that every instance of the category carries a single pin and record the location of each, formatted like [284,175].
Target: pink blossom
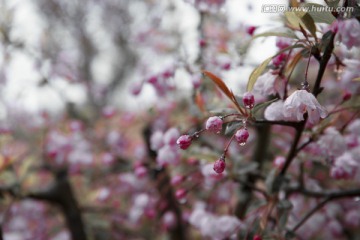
[349,32]
[156,140]
[207,5]
[283,42]
[169,220]
[215,227]
[136,88]
[170,136]
[140,171]
[103,194]
[168,155]
[335,228]
[344,167]
[180,193]
[332,142]
[275,111]
[177,180]
[279,162]
[352,218]
[300,102]
[354,127]
[108,111]
[265,84]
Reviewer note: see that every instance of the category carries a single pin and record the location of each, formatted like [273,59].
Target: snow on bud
[219,165]
[241,136]
[214,124]
[248,100]
[184,141]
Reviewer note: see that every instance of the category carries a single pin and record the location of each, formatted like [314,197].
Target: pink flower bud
[248,100]
[250,30]
[136,88]
[257,237]
[219,165]
[202,43]
[152,80]
[226,66]
[184,141]
[241,136]
[214,124]
[278,60]
[181,193]
[168,73]
[346,96]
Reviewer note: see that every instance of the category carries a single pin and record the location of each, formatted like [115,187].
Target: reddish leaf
[199,100]
[224,89]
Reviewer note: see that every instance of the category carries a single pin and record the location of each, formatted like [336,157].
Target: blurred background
[83,86]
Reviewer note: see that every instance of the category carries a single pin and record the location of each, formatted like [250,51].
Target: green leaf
[308,22]
[320,16]
[332,3]
[260,69]
[232,126]
[325,40]
[288,34]
[256,73]
[284,207]
[270,179]
[301,18]
[263,105]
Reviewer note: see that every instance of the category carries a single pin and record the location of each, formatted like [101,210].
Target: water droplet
[242,144]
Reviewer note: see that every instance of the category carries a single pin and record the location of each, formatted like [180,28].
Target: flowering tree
[277,159]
